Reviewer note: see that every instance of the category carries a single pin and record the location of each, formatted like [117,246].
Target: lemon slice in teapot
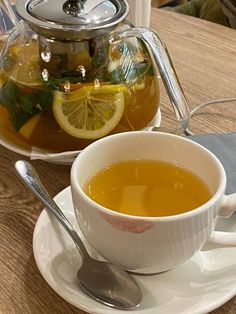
[26,70]
[27,129]
[89,112]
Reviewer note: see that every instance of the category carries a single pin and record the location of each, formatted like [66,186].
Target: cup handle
[220,239]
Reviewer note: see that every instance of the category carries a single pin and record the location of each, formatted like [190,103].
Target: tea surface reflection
[147,188]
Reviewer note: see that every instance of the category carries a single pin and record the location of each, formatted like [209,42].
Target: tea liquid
[147,188]
[29,92]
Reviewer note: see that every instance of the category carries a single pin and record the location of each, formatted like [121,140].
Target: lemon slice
[27,129]
[26,69]
[89,112]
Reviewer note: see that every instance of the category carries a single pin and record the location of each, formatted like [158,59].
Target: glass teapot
[74,71]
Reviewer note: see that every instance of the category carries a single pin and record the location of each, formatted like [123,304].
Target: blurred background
[218,11]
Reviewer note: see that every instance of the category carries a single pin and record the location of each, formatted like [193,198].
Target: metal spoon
[103,281]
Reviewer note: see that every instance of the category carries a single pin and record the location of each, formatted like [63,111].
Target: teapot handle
[166,69]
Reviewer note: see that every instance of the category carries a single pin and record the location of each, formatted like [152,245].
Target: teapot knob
[102,7]
[73,7]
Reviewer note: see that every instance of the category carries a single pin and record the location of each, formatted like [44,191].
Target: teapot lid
[72,19]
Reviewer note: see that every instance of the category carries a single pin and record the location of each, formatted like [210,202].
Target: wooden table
[205,58]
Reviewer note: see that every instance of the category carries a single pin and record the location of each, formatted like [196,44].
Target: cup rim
[195,211]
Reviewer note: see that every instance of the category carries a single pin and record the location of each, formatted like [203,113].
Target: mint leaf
[23,107]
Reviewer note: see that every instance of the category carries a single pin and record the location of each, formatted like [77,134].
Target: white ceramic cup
[151,244]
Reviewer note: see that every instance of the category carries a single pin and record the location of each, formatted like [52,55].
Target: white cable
[212,102]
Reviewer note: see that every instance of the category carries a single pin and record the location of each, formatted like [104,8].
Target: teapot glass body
[62,95]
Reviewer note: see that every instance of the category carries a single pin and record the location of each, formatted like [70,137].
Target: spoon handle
[30,177]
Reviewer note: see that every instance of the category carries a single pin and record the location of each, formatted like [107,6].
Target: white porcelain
[150,244]
[200,285]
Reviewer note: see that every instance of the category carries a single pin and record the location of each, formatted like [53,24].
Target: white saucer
[200,285]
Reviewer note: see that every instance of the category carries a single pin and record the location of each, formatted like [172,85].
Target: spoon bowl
[109,284]
[101,280]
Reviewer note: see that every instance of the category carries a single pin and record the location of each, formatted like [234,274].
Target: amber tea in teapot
[65,103]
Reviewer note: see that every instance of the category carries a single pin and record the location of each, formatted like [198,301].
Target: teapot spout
[163,62]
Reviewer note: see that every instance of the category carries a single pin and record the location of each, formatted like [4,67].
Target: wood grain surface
[205,58]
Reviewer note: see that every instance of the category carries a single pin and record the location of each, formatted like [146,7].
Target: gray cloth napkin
[224,147]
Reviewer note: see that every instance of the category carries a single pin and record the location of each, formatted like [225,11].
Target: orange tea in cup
[148,188]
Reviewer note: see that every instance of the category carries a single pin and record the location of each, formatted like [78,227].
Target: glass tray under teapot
[72,72]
